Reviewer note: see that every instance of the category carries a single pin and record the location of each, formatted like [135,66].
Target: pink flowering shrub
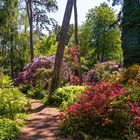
[28,75]
[135,113]
[95,114]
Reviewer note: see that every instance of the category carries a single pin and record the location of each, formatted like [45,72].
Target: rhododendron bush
[101,110]
[30,72]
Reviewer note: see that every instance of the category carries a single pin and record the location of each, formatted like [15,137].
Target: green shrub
[12,102]
[5,81]
[36,93]
[8,129]
[24,88]
[13,105]
[65,96]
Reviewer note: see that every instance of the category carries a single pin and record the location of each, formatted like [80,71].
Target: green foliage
[46,46]
[12,102]
[65,96]
[5,81]
[36,92]
[12,109]
[97,38]
[8,129]
[9,35]
[24,88]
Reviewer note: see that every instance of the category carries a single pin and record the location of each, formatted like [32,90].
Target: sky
[82,5]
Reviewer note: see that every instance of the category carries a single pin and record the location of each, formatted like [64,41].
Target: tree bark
[11,55]
[77,40]
[61,46]
[30,19]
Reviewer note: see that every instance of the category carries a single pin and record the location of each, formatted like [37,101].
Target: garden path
[43,123]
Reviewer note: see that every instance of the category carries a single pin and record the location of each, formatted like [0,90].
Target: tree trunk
[131,32]
[30,19]
[77,41]
[61,46]
[11,55]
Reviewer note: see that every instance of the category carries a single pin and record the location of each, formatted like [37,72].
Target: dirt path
[43,123]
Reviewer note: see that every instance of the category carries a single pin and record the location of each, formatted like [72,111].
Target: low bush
[101,110]
[36,93]
[13,105]
[65,96]
[12,102]
[5,81]
[8,129]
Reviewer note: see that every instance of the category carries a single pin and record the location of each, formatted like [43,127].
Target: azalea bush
[101,110]
[135,113]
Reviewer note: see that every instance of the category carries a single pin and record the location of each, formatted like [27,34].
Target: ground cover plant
[13,108]
[65,96]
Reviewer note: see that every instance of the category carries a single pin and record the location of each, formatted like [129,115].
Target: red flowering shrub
[96,99]
[135,112]
[94,114]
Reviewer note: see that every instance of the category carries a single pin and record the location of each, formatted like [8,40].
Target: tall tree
[9,33]
[105,41]
[77,40]
[61,46]
[30,20]
[130,31]
[37,16]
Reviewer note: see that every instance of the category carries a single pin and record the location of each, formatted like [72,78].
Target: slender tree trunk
[12,62]
[76,23]
[131,32]
[76,40]
[30,19]
[61,46]
[98,52]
